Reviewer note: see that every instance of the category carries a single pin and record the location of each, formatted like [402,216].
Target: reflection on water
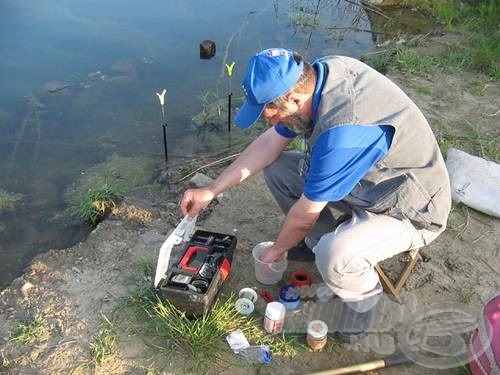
[79,82]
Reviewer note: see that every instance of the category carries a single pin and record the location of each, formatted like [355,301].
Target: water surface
[78,80]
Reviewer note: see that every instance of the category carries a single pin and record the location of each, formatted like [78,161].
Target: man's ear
[296,98]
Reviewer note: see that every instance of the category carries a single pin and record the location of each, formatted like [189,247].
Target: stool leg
[407,272]
[387,283]
[395,289]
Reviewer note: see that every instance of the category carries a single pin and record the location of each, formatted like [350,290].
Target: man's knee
[344,268]
[339,255]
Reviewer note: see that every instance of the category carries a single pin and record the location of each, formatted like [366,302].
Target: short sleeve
[342,156]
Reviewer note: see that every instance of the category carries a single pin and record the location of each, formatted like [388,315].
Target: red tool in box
[193,282]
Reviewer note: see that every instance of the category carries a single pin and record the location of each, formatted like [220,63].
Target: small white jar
[274,318]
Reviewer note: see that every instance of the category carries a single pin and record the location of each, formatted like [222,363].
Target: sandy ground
[72,288]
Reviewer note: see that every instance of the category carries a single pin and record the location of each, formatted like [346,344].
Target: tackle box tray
[192,283]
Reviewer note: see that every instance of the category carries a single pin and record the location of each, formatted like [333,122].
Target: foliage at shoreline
[96,203]
[480,51]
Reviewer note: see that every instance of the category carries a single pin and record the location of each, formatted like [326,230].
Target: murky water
[78,83]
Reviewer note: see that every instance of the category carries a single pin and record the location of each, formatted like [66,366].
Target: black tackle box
[193,282]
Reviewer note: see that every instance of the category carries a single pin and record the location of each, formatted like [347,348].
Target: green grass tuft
[5,363]
[424,90]
[144,267]
[381,63]
[29,332]
[96,203]
[102,346]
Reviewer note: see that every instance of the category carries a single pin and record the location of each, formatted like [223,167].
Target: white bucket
[267,273]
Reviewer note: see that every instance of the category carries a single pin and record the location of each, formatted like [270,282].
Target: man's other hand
[195,200]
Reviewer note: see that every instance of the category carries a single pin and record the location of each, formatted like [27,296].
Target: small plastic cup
[267,273]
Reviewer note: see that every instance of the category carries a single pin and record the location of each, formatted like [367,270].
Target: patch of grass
[411,62]
[424,90]
[204,338]
[96,203]
[5,364]
[486,147]
[30,331]
[381,63]
[201,341]
[482,51]
[486,55]
[448,12]
[472,141]
[144,267]
[454,58]
[102,346]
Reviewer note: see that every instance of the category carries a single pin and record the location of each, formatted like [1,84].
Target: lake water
[78,82]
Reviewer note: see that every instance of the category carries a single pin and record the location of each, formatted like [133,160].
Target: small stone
[26,288]
[200,180]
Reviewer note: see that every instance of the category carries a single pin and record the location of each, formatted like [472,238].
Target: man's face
[288,116]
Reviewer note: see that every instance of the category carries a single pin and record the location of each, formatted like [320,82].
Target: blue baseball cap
[270,74]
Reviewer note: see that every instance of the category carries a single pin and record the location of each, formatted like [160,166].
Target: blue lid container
[290,297]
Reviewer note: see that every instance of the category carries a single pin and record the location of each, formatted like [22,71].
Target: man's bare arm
[263,151]
[298,223]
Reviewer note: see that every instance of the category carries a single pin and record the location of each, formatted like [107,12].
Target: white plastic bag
[474,181]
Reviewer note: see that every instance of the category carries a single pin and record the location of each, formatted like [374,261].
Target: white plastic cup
[267,273]
[274,317]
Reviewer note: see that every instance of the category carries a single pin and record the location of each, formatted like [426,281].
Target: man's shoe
[349,337]
[301,253]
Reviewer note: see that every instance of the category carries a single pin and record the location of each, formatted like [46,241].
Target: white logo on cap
[275,52]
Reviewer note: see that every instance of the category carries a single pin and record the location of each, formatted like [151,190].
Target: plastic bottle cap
[317,329]
[289,293]
[248,293]
[244,306]
[300,278]
[275,310]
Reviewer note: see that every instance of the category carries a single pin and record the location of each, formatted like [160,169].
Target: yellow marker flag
[230,68]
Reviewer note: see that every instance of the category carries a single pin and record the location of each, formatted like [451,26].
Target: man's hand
[195,200]
[271,255]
